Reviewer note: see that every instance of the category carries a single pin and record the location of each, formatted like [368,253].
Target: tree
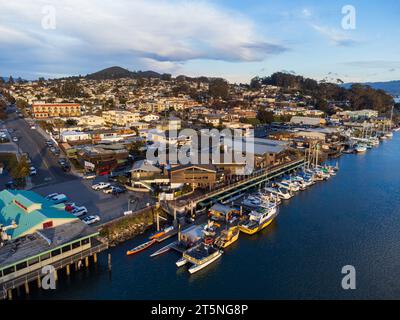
[255,83]
[219,88]
[265,116]
[71,123]
[21,170]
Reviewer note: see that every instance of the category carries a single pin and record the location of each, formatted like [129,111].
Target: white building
[67,136]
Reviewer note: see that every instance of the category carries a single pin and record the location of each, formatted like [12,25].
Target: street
[51,178]
[32,142]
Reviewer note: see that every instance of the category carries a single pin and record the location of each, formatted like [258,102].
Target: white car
[89,176]
[51,196]
[79,211]
[32,171]
[100,186]
[91,219]
[15,139]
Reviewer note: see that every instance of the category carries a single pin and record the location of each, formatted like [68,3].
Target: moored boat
[201,256]
[141,247]
[258,220]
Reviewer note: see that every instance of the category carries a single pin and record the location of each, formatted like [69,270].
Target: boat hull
[255,230]
[195,268]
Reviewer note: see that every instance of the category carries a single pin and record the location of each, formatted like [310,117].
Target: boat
[163,250]
[360,148]
[181,262]
[201,256]
[252,201]
[227,237]
[141,247]
[281,193]
[162,233]
[258,220]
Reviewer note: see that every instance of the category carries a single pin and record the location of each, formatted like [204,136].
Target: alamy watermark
[49,19]
[349,280]
[49,277]
[349,21]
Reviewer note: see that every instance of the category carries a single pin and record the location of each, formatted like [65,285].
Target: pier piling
[109,262]
[95,258]
[9,294]
[68,269]
[26,287]
[87,262]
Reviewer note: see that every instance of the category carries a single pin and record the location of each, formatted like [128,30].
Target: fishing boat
[140,248]
[200,257]
[258,220]
[227,237]
[288,185]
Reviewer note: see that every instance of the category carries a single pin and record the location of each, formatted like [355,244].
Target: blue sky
[230,38]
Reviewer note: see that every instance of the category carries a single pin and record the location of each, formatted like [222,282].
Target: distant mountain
[118,73]
[391,87]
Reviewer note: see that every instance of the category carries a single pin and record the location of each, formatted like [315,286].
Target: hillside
[391,87]
[118,73]
[359,96]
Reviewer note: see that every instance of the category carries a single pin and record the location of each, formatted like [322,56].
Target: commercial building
[308,121]
[49,110]
[24,212]
[120,117]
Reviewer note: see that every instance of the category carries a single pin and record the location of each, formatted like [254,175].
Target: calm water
[353,219]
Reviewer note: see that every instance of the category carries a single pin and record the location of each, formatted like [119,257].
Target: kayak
[141,247]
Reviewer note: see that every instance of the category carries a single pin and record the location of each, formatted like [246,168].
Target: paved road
[43,160]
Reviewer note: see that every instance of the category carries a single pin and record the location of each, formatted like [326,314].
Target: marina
[319,220]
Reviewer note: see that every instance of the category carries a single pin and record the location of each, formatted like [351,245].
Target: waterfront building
[49,110]
[22,260]
[24,212]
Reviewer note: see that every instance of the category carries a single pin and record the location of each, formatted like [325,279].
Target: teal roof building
[24,212]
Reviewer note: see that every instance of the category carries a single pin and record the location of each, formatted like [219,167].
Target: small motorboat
[140,248]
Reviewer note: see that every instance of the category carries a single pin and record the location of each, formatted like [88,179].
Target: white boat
[252,201]
[389,135]
[197,267]
[360,148]
[288,186]
[181,262]
[281,193]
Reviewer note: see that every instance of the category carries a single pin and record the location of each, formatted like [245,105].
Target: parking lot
[107,206]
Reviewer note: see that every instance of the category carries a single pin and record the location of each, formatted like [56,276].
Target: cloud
[159,32]
[335,36]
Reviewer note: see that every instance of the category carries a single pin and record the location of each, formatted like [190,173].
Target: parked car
[32,171]
[79,211]
[15,139]
[49,143]
[100,186]
[89,176]
[10,185]
[62,161]
[69,206]
[51,196]
[91,219]
[33,127]
[60,198]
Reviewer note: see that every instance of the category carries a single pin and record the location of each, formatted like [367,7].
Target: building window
[66,249]
[55,252]
[76,245]
[21,265]
[85,241]
[8,270]
[45,256]
[33,261]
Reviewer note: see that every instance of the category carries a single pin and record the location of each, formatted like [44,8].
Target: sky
[352,40]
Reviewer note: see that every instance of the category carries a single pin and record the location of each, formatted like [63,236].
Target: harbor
[330,224]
